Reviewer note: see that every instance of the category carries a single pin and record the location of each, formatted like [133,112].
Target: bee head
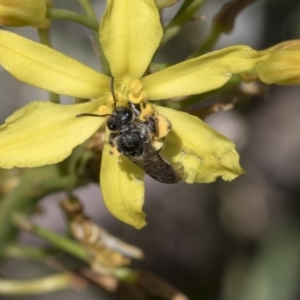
[122,115]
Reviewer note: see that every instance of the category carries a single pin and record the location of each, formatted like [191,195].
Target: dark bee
[133,138]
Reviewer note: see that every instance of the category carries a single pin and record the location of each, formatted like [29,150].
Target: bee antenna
[115,103]
[113,92]
[91,115]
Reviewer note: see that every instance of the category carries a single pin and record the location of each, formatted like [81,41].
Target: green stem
[36,183]
[209,41]
[44,37]
[37,286]
[184,15]
[87,8]
[54,98]
[223,22]
[59,241]
[64,14]
[25,252]
[89,11]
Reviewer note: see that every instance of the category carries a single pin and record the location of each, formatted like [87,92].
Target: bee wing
[156,167]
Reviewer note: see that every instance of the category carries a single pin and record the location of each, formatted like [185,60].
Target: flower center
[125,90]
[132,90]
[136,94]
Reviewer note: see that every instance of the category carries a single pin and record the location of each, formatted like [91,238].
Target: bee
[133,137]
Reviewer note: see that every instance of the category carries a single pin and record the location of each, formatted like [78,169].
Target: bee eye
[127,115]
[112,123]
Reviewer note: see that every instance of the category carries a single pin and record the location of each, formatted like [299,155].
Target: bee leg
[158,145]
[113,149]
[163,126]
[152,124]
[134,109]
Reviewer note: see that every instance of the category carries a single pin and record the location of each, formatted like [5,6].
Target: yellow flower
[17,13]
[45,133]
[282,65]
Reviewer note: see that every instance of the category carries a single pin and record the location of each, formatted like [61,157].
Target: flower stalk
[37,286]
[64,14]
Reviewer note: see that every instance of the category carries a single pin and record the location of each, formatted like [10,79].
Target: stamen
[135,86]
[105,109]
[136,99]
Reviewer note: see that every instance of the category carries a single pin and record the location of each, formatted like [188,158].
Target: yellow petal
[201,74]
[122,188]
[130,32]
[204,153]
[48,69]
[22,12]
[45,133]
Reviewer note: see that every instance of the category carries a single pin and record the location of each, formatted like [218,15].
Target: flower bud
[283,64]
[165,3]
[18,13]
